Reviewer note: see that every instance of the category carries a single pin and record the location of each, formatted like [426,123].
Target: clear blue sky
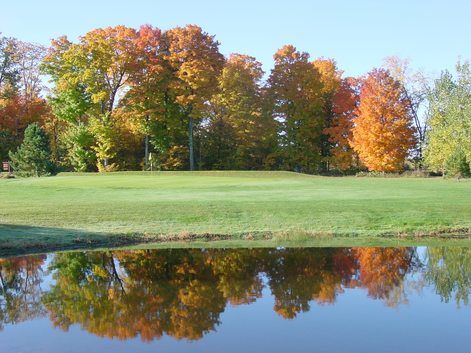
[357,34]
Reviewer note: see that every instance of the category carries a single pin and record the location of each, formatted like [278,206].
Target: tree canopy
[124,99]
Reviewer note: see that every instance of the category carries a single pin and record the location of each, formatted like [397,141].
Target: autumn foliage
[344,111]
[383,133]
[123,99]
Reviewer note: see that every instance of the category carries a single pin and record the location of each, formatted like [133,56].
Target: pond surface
[238,300]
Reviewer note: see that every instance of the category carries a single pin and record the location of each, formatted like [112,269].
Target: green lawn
[74,208]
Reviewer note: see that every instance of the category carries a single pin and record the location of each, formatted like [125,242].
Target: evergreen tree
[33,157]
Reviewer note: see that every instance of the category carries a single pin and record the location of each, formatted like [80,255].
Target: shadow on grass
[19,239]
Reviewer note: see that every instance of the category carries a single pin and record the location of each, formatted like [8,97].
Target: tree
[20,88]
[295,102]
[196,63]
[33,157]
[7,143]
[217,143]
[415,88]
[237,118]
[8,68]
[330,78]
[448,140]
[79,142]
[340,132]
[147,101]
[383,133]
[92,75]
[28,57]
[457,165]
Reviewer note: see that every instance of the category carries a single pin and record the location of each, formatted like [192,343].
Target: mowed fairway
[232,203]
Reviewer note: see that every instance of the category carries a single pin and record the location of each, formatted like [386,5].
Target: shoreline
[93,241]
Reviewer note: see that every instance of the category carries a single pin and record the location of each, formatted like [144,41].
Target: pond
[238,300]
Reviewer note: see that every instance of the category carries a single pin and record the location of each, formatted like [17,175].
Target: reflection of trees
[149,293]
[238,274]
[382,272]
[182,289]
[449,270]
[298,276]
[182,292]
[20,290]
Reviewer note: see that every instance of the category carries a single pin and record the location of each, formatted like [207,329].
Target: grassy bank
[76,210]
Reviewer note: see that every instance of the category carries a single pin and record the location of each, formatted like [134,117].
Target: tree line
[126,99]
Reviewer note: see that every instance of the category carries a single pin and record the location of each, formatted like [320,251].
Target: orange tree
[383,133]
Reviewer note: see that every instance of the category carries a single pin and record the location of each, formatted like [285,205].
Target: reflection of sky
[355,323]
[47,279]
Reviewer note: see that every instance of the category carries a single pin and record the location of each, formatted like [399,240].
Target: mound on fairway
[71,206]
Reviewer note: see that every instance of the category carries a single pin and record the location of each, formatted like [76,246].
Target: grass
[76,210]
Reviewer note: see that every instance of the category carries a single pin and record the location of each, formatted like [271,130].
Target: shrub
[457,165]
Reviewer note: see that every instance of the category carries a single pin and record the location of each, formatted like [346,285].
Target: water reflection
[20,289]
[182,293]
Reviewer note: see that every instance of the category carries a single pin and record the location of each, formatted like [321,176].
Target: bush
[376,174]
[33,157]
[457,165]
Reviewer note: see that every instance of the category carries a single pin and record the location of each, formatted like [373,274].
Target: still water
[238,300]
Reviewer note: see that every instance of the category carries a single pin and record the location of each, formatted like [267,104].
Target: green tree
[7,143]
[8,69]
[79,141]
[216,143]
[238,106]
[457,165]
[33,157]
[91,76]
[448,143]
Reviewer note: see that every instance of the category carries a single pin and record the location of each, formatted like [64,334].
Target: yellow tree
[196,62]
[383,133]
[330,77]
[239,105]
[296,103]
[97,69]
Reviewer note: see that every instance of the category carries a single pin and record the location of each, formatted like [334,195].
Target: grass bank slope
[230,204]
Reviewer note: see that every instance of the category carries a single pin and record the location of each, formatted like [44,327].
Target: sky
[359,34]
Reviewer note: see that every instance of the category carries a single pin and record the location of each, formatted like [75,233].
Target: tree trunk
[146,152]
[190,142]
